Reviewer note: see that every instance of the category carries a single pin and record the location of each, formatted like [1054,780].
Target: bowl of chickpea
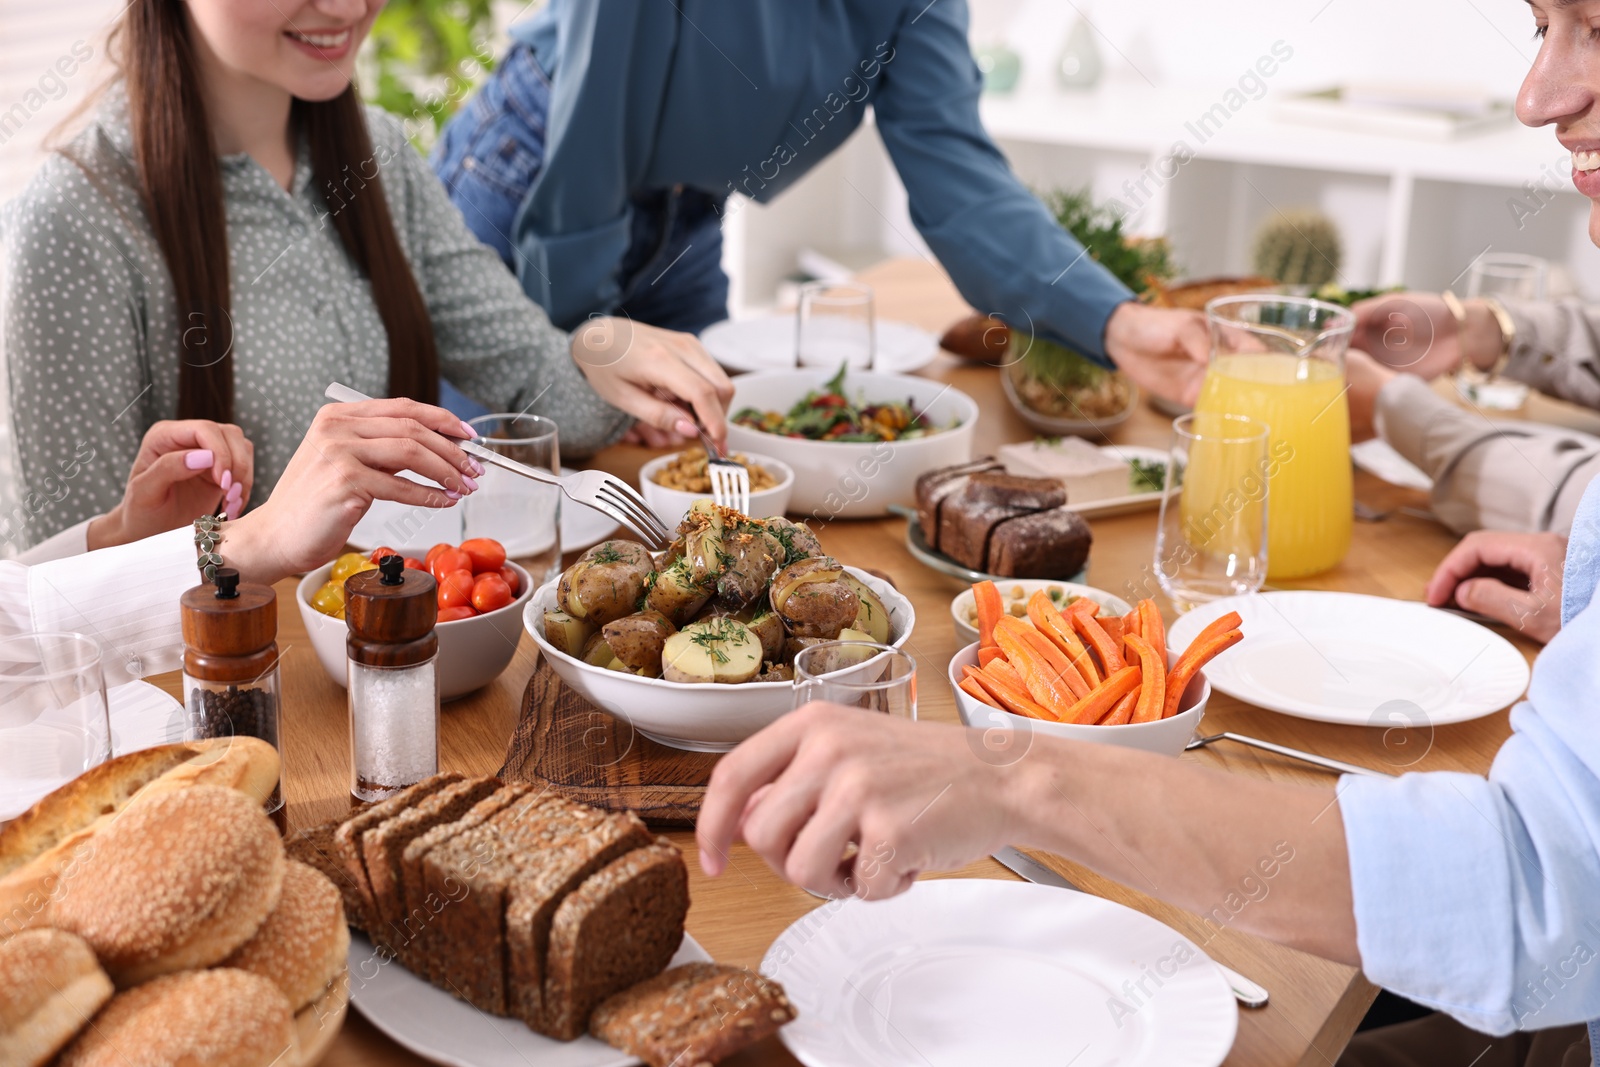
[672,482]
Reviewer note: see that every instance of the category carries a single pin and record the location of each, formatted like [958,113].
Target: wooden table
[1315,1004]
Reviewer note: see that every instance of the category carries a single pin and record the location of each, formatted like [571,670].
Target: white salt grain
[394,726]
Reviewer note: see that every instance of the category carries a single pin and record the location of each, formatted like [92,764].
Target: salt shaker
[393,686]
[230,662]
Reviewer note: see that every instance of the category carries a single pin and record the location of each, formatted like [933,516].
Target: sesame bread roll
[50,986]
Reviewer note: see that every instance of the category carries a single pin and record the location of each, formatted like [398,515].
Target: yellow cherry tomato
[329,599]
[351,563]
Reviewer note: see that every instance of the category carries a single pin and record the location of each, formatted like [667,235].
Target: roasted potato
[676,594]
[716,650]
[796,538]
[701,530]
[775,672]
[769,629]
[750,556]
[812,599]
[606,583]
[567,634]
[873,618]
[637,640]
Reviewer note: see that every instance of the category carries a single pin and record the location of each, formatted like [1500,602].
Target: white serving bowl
[700,716]
[670,505]
[961,606]
[842,479]
[472,652]
[1166,736]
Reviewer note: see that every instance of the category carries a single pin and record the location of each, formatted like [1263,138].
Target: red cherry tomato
[489,592]
[379,553]
[512,580]
[451,559]
[433,552]
[455,589]
[463,611]
[415,564]
[487,554]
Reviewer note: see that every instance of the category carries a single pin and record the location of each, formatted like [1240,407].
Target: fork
[606,494]
[730,482]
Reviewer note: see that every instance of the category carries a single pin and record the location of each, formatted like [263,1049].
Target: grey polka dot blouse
[92,329]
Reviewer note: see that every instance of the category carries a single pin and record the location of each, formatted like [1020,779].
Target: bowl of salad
[855,439]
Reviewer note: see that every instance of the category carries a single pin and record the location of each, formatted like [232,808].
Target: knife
[1017,862]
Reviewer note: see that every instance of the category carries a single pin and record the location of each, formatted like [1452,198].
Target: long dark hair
[181,186]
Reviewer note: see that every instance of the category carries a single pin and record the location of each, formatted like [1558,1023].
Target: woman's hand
[182,470]
[1164,350]
[1365,378]
[350,457]
[650,373]
[1514,578]
[911,796]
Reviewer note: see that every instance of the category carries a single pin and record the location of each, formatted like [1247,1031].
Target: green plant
[425,57]
[1298,248]
[1136,262]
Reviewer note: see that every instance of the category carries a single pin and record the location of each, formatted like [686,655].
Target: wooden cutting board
[567,743]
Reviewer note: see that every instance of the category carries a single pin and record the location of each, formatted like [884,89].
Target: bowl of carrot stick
[1080,672]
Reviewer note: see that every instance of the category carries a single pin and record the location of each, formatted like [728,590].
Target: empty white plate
[448,1030]
[1359,660]
[968,971]
[767,343]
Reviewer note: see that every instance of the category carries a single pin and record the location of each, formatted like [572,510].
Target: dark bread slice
[964,528]
[697,1013]
[621,926]
[580,843]
[1013,491]
[424,951]
[1047,544]
[936,486]
[314,847]
[383,845]
[347,841]
[473,873]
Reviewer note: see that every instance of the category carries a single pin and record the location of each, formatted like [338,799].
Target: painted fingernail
[233,509]
[198,459]
[685,428]
[476,468]
[452,494]
[471,484]
[236,491]
[466,428]
[227,480]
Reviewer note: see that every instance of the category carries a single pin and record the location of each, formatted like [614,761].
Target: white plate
[387,523]
[1120,505]
[1359,660]
[447,1030]
[970,971]
[767,343]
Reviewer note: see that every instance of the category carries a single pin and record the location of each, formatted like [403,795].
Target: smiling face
[305,47]
[1562,87]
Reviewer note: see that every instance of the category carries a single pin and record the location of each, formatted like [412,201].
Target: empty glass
[1510,276]
[520,513]
[857,674]
[54,724]
[834,326]
[1211,540]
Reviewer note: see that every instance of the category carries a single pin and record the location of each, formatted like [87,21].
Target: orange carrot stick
[971,687]
[1197,655]
[1132,623]
[1086,606]
[1095,636]
[1046,648]
[1044,683]
[987,656]
[1113,626]
[1047,618]
[1013,697]
[1217,628]
[1153,680]
[1122,711]
[1152,628]
[986,595]
[1105,696]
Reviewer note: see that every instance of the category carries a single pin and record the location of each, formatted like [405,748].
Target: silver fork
[604,493]
[730,482]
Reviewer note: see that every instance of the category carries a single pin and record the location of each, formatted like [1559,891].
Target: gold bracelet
[1508,334]
[1452,304]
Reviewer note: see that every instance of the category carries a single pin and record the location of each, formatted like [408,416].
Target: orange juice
[1309,501]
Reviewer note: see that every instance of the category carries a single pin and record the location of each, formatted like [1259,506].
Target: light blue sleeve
[1001,247]
[1481,898]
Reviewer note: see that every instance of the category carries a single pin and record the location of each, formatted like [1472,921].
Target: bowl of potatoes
[694,647]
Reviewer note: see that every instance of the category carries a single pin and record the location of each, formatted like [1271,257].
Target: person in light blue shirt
[598,158]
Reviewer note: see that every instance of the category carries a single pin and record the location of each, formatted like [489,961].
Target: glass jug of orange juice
[1280,359]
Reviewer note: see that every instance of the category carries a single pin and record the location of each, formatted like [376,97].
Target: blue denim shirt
[747,95]
[1481,897]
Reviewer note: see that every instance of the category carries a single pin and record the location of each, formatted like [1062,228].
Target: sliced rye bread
[347,841]
[424,950]
[621,926]
[696,1013]
[473,872]
[383,845]
[579,844]
[314,847]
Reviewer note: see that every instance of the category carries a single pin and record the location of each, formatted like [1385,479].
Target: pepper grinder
[230,663]
[393,684]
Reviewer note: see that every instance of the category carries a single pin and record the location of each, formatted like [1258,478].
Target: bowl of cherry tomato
[480,597]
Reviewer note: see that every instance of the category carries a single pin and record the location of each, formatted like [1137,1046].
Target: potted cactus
[1298,249]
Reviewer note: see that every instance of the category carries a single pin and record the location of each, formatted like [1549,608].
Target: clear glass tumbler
[1510,276]
[834,326]
[1211,540]
[857,674]
[54,724]
[520,513]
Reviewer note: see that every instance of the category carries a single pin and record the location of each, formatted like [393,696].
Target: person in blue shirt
[1477,897]
[598,158]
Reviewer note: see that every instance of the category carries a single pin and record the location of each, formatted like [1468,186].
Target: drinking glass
[834,326]
[1280,360]
[522,514]
[1211,540]
[1512,276]
[54,724]
[857,674]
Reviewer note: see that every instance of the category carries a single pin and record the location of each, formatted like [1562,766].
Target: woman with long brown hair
[234,230]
